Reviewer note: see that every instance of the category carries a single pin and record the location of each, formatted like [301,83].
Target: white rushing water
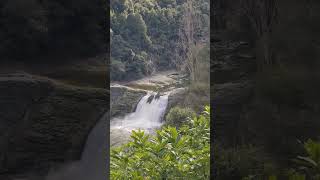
[92,166]
[147,117]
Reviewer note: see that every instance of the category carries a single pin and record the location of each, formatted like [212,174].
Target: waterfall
[92,165]
[147,117]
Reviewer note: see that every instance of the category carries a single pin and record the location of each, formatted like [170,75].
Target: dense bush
[308,166]
[152,27]
[172,153]
[178,116]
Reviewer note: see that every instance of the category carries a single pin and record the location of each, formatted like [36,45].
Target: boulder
[124,99]
[176,98]
[157,95]
[150,98]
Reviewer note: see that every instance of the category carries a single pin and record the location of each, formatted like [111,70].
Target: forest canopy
[146,35]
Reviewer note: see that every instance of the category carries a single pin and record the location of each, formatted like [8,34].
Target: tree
[120,5]
[136,31]
[190,39]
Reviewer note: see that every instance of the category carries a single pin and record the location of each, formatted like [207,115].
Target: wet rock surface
[124,99]
[176,97]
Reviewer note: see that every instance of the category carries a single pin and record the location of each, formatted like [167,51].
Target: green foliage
[142,26]
[150,26]
[198,93]
[310,164]
[178,116]
[172,153]
[117,69]
[313,150]
[120,5]
[136,32]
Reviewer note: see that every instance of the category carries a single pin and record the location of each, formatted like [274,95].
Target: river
[147,117]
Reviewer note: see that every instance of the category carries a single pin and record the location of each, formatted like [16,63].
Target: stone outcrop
[43,122]
[176,97]
[124,99]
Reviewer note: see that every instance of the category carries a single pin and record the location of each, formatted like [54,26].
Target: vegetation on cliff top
[150,35]
[172,153]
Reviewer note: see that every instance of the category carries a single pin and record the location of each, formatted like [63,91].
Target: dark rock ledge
[43,122]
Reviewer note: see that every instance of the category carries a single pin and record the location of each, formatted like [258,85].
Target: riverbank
[160,81]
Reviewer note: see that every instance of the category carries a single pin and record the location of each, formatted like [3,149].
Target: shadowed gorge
[265,73]
[53,85]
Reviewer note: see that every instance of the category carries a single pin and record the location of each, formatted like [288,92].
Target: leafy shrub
[170,154]
[310,164]
[197,94]
[117,69]
[177,116]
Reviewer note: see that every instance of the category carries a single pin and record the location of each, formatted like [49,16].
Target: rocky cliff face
[176,97]
[265,75]
[43,122]
[124,100]
[232,72]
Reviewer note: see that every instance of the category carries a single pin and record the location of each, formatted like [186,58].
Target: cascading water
[92,165]
[147,117]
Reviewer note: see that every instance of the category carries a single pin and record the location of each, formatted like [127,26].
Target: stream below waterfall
[147,116]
